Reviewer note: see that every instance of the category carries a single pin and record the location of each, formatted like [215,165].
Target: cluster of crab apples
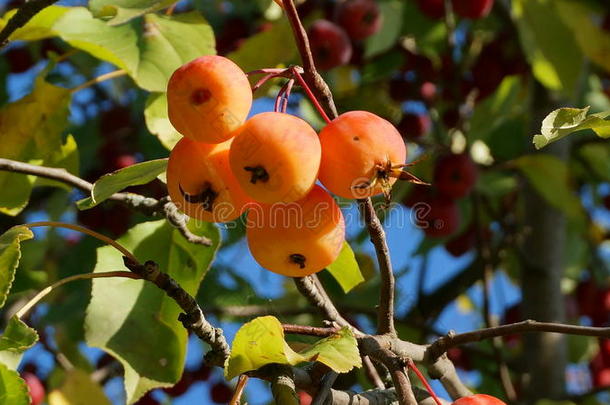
[267,166]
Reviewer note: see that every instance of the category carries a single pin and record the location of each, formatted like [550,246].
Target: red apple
[221,393]
[35,388]
[359,18]
[330,44]
[479,399]
[473,9]
[455,175]
[434,9]
[437,216]
[414,126]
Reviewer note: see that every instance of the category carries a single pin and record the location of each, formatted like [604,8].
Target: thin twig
[239,389]
[308,330]
[146,205]
[401,381]
[484,252]
[25,13]
[192,318]
[371,373]
[442,344]
[82,229]
[385,315]
[99,79]
[87,276]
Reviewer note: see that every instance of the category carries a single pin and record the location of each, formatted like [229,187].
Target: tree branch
[192,318]
[308,330]
[282,385]
[442,344]
[146,205]
[25,13]
[385,314]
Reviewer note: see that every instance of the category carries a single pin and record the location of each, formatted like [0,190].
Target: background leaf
[31,129]
[78,389]
[158,122]
[134,320]
[564,121]
[121,11]
[13,389]
[10,253]
[150,50]
[345,269]
[16,338]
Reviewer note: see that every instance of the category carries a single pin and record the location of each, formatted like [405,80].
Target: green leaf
[13,389]
[31,129]
[549,44]
[339,351]
[150,50]
[392,14]
[39,27]
[550,178]
[76,388]
[158,122]
[597,156]
[10,253]
[17,336]
[261,342]
[134,320]
[345,269]
[121,11]
[250,57]
[496,109]
[134,175]
[564,121]
[66,157]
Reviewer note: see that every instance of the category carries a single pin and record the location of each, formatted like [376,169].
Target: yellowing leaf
[31,129]
[345,269]
[39,27]
[10,254]
[261,342]
[78,389]
[13,389]
[564,121]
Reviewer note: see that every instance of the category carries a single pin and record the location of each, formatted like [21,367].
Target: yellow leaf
[78,389]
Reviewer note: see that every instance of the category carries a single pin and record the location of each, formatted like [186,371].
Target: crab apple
[203,373]
[208,99]
[221,393]
[305,398]
[359,18]
[461,243]
[473,9]
[460,358]
[360,151]
[200,181]
[35,388]
[478,399]
[276,157]
[438,216]
[298,238]
[455,175]
[427,91]
[418,194]
[181,387]
[414,126]
[434,9]
[330,44]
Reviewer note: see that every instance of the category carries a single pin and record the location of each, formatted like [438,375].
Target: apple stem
[239,389]
[421,377]
[310,94]
[87,231]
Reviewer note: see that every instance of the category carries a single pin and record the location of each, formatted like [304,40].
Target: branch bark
[146,205]
[192,318]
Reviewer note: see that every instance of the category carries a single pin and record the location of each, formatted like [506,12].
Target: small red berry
[181,386]
[35,388]
[437,216]
[414,126]
[455,175]
[473,9]
[479,399]
[221,393]
[359,18]
[462,243]
[304,398]
[329,44]
[434,9]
